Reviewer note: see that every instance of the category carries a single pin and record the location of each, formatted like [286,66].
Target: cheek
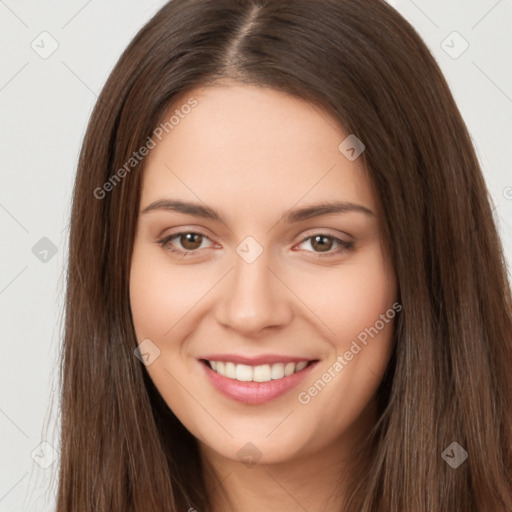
[356,303]
[149,299]
[161,293]
[351,297]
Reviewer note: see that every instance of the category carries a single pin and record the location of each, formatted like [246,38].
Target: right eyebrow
[184,207]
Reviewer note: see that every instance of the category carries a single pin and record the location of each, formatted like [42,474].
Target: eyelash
[345,246]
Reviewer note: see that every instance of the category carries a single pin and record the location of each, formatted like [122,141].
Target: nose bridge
[253,298]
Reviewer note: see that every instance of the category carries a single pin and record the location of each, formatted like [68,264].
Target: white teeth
[229,370]
[243,373]
[277,371]
[300,366]
[261,373]
[289,369]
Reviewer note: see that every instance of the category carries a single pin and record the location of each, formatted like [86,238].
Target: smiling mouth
[260,373]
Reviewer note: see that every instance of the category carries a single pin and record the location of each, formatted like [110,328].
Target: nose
[253,298]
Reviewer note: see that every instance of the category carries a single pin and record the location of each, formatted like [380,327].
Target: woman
[286,290]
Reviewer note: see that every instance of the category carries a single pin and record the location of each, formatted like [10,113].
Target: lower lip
[255,392]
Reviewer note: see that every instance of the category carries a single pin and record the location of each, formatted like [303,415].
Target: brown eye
[322,243]
[186,242]
[189,241]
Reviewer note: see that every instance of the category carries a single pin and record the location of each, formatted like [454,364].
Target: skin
[252,154]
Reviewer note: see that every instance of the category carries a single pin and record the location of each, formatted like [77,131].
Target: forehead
[253,147]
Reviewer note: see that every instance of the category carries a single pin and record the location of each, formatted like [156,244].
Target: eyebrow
[297,215]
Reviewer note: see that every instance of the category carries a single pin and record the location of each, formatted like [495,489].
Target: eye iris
[322,247]
[190,238]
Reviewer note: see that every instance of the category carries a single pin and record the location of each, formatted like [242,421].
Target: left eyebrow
[325,208]
[297,215]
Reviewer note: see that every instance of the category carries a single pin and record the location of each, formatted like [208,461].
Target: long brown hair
[449,379]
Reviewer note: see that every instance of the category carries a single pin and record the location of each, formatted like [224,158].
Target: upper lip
[255,361]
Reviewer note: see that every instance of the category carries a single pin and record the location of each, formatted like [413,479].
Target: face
[234,263]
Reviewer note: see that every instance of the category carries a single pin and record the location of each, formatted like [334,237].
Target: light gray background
[45,104]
